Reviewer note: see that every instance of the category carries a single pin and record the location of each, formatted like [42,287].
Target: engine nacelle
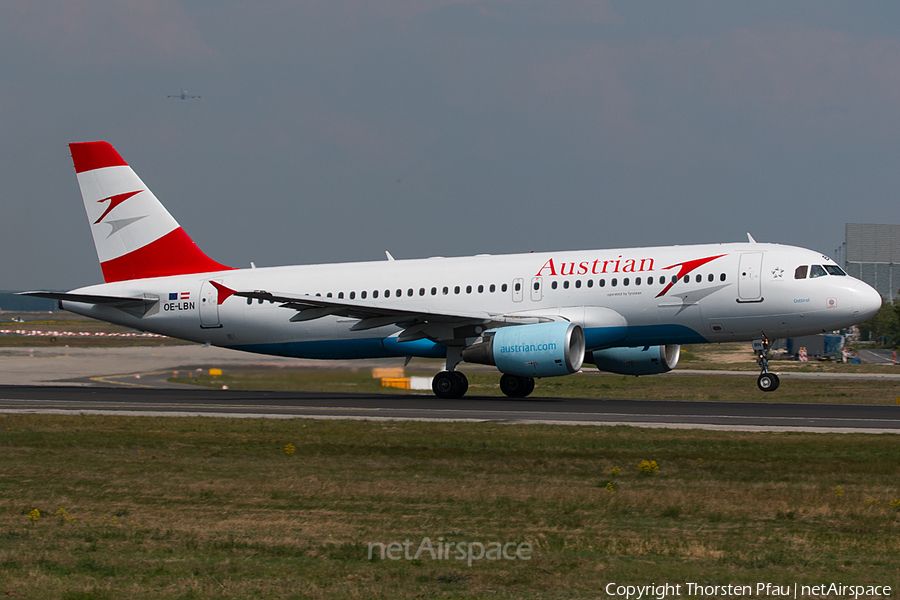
[539,350]
[643,360]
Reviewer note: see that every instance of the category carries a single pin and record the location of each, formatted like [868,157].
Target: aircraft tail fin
[135,236]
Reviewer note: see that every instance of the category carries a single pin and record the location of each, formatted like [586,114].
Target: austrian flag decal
[181,296]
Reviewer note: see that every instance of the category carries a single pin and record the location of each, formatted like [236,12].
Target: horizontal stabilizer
[136,305]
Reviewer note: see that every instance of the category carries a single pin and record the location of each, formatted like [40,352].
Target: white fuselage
[723,292]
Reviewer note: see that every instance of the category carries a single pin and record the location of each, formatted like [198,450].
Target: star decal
[777,272]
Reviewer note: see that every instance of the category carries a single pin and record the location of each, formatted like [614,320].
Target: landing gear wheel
[516,387]
[449,385]
[463,383]
[768,382]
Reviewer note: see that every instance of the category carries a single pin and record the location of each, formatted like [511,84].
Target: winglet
[750,238]
[388,254]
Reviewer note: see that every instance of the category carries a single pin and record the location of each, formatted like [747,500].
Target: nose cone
[866,301]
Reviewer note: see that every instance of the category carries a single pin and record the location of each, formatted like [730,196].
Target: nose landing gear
[767,382]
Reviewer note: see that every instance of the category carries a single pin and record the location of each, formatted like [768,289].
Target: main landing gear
[767,382]
[515,386]
[452,384]
[449,384]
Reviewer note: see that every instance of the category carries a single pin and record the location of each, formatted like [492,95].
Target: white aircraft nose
[866,301]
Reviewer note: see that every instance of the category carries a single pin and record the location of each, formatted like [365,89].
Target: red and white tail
[134,234]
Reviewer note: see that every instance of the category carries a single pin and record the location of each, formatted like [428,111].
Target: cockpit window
[817,271]
[834,270]
[800,272]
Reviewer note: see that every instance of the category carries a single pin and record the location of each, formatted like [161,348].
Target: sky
[333,130]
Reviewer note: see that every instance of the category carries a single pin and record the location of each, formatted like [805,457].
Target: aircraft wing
[417,323]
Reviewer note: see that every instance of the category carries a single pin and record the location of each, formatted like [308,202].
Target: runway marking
[489,414]
[110,378]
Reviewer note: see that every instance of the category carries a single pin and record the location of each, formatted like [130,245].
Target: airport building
[871,252]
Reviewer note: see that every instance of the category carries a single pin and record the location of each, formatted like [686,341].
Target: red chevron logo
[686,267]
[114,201]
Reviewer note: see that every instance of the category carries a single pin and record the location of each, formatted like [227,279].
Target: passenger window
[468,289]
[711,278]
[504,287]
[590,283]
[699,278]
[800,272]
[456,289]
[362,295]
[375,294]
[434,291]
[816,271]
[340,296]
[352,295]
[687,278]
[249,300]
[387,293]
[554,285]
[409,292]
[566,284]
[493,288]
[421,291]
[602,283]
[578,283]
[399,293]
[835,270]
[328,295]
[674,279]
[614,282]
[650,280]
[481,288]
[722,277]
[625,281]
[518,287]
[637,281]
[446,290]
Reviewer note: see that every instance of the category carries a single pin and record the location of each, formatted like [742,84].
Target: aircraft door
[749,280]
[209,306]
[517,286]
[536,288]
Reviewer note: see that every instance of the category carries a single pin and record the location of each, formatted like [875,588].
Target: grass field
[232,508]
[591,384]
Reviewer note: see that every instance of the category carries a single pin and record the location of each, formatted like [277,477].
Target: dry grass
[210,508]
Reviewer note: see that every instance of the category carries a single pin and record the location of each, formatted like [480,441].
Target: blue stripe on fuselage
[349,349]
[595,338]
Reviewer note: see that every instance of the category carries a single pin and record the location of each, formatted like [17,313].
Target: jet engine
[539,350]
[643,360]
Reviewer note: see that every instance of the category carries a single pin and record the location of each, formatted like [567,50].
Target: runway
[641,413]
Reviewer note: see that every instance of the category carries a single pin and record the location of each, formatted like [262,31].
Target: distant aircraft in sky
[183,95]
[625,310]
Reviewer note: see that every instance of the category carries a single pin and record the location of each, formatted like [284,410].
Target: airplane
[182,96]
[534,315]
